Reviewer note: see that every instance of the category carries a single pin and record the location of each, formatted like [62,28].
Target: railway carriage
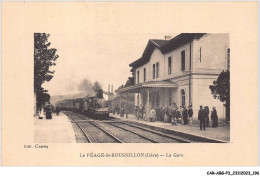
[93,106]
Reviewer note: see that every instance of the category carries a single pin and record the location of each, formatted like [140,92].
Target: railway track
[116,131]
[179,139]
[92,132]
[153,136]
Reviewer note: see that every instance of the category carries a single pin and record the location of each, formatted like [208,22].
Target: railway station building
[179,71]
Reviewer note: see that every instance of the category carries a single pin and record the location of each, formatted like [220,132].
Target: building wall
[176,61]
[141,73]
[213,53]
[208,59]
[202,94]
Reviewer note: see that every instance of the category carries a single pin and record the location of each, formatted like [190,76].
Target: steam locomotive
[92,106]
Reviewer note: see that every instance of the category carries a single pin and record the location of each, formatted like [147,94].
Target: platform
[221,133]
[57,130]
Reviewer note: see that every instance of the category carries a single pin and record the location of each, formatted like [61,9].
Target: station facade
[179,71]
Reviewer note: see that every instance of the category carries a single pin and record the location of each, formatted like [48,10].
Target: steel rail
[109,134]
[158,133]
[69,115]
[85,134]
[147,138]
[78,115]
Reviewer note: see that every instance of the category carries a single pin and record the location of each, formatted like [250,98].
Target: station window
[153,71]
[182,60]
[157,70]
[169,65]
[137,77]
[182,97]
[170,98]
[144,74]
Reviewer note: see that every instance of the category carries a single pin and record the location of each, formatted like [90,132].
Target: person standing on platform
[174,117]
[206,114]
[201,118]
[48,111]
[181,114]
[41,114]
[177,115]
[161,114]
[166,114]
[190,114]
[185,115]
[136,112]
[57,110]
[153,115]
[214,118]
[170,113]
[122,112]
[126,110]
[141,112]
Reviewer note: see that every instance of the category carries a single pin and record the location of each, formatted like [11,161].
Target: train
[91,106]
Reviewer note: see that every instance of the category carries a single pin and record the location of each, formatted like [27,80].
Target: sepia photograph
[176,91]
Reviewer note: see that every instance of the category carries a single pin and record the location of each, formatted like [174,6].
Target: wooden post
[148,105]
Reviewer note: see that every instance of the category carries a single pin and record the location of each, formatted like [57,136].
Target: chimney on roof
[167,37]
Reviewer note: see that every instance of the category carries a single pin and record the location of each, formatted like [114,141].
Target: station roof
[151,84]
[164,46]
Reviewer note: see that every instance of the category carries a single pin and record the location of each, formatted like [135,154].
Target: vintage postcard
[129,84]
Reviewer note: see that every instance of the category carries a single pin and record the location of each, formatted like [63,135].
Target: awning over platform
[152,84]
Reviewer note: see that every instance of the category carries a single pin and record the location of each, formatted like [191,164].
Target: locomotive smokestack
[108,88]
[112,88]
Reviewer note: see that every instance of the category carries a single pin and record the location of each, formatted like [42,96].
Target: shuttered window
[144,74]
[137,77]
[157,70]
[182,60]
[169,65]
[153,71]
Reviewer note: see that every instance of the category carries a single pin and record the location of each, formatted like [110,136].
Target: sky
[97,41]
[101,57]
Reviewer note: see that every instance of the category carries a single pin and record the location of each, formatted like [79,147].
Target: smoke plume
[89,89]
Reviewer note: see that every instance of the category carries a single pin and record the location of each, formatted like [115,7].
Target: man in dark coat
[161,113]
[190,114]
[170,113]
[177,115]
[206,114]
[185,115]
[57,110]
[48,111]
[214,118]
[201,118]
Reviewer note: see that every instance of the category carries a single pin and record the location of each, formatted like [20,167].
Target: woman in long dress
[166,114]
[48,112]
[41,114]
[214,118]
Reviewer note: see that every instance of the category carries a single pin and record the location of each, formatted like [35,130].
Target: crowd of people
[46,111]
[176,116]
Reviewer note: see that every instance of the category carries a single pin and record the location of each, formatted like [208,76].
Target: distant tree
[44,58]
[221,90]
[129,82]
